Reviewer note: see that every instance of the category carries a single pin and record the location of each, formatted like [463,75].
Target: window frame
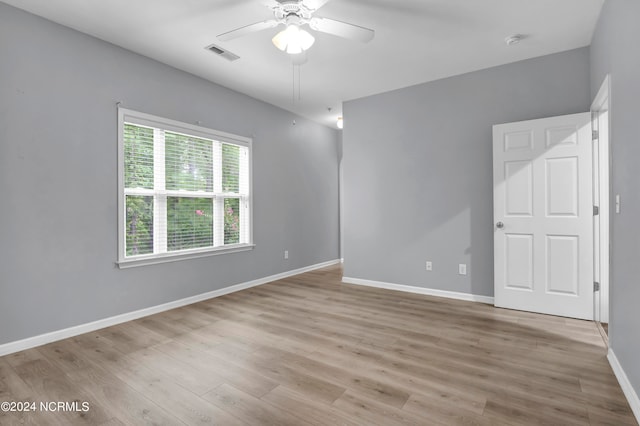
[148,120]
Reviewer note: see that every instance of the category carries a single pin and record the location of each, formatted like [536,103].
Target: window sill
[175,257]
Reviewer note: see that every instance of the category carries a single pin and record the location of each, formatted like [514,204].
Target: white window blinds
[184,189]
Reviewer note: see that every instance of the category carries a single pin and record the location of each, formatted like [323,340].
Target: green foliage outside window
[138,146]
[189,163]
[230,168]
[139,225]
[189,223]
[231,183]
[138,152]
[231,221]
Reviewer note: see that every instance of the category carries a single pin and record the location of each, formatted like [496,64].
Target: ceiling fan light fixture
[293,40]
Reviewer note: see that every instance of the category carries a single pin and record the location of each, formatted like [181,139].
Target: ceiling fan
[294,14]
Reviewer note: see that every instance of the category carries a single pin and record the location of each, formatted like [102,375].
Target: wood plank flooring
[309,350]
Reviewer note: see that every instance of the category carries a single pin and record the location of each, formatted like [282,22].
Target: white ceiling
[416,41]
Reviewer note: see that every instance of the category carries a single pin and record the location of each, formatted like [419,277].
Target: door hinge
[596,286]
[594,135]
[596,210]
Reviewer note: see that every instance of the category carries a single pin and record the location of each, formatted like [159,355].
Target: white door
[543,216]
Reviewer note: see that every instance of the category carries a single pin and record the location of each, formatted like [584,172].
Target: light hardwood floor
[310,350]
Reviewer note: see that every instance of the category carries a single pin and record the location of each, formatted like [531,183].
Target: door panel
[519,196]
[562,264]
[562,136]
[519,261]
[543,241]
[516,141]
[562,187]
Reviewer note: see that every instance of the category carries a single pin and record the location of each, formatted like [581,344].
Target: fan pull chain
[293,83]
[299,84]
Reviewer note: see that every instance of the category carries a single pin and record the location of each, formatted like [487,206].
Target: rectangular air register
[221,52]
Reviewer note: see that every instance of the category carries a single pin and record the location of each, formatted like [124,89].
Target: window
[185,191]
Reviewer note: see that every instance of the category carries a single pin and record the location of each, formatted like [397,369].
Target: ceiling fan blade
[270,3]
[314,4]
[242,31]
[342,29]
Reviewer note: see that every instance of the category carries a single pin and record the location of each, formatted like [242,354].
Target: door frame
[602,196]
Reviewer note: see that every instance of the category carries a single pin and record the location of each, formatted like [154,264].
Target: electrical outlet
[462,269]
[429,266]
[286,254]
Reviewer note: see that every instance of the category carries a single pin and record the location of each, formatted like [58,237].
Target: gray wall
[614,50]
[58,165]
[418,169]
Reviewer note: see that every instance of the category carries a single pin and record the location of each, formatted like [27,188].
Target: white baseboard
[625,384]
[420,290]
[42,339]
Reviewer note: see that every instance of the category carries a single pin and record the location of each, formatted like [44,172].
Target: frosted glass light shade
[293,40]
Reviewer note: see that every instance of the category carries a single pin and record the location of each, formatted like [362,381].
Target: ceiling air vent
[221,52]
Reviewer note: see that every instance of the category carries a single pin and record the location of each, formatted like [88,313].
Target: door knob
[499,225]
